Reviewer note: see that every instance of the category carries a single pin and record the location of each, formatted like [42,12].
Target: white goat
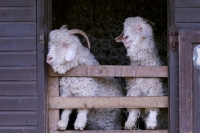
[66,52]
[137,37]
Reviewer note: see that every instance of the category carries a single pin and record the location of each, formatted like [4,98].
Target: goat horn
[63,27]
[77,31]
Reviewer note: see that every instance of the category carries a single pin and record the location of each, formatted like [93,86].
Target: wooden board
[17,29]
[26,14]
[18,129]
[112,131]
[53,90]
[185,82]
[18,59]
[187,15]
[17,3]
[18,103]
[11,88]
[17,43]
[186,3]
[116,71]
[108,102]
[18,118]
[18,73]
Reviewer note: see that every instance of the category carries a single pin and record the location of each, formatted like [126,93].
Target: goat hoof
[151,125]
[62,125]
[79,126]
[151,128]
[129,126]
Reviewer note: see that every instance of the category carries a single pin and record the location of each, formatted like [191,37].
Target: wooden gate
[56,102]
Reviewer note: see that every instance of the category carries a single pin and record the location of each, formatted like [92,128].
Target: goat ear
[70,54]
[119,38]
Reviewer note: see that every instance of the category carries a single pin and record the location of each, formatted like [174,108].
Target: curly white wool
[61,43]
[137,37]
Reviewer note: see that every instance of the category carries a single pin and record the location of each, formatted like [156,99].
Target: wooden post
[53,90]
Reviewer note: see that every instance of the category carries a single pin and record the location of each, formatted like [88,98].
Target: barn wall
[18,93]
[186,14]
[185,17]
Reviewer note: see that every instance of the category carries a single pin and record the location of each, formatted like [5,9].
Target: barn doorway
[102,20]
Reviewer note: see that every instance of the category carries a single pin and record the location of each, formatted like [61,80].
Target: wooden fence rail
[115,71]
[56,102]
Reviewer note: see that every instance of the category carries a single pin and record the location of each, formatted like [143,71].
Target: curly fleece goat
[66,52]
[137,37]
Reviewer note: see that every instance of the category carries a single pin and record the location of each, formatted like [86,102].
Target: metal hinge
[41,39]
[173,38]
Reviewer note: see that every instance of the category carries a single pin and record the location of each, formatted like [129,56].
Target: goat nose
[125,37]
[49,59]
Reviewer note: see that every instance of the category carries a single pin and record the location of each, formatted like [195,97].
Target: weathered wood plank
[17,59]
[111,131]
[186,15]
[117,71]
[196,85]
[195,37]
[18,73]
[108,102]
[17,43]
[18,129]
[18,88]
[16,3]
[188,26]
[42,20]
[173,91]
[196,101]
[18,103]
[53,90]
[22,14]
[185,82]
[186,3]
[18,118]
[17,29]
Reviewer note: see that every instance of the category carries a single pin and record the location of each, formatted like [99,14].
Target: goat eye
[64,44]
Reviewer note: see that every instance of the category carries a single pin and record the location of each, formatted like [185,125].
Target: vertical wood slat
[185,82]
[196,86]
[53,90]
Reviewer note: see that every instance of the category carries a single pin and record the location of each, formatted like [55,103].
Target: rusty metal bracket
[41,39]
[173,38]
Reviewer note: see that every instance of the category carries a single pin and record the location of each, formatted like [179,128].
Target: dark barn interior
[102,20]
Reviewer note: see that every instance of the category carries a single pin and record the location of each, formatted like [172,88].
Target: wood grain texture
[196,86]
[53,90]
[18,73]
[187,15]
[108,102]
[17,44]
[19,14]
[186,3]
[117,71]
[188,26]
[185,82]
[18,129]
[11,88]
[15,118]
[18,3]
[17,59]
[17,29]
[18,103]
[111,131]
